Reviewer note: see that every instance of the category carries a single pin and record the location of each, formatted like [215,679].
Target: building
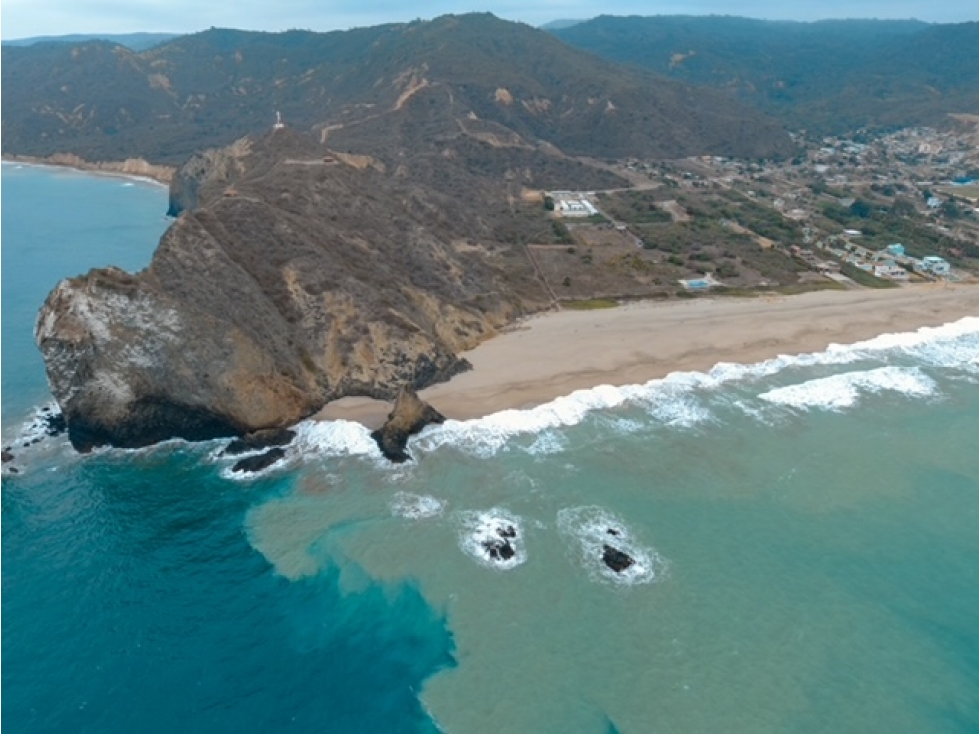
[568,204]
[890,271]
[935,265]
[896,250]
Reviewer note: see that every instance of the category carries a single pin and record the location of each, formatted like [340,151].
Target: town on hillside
[867,211]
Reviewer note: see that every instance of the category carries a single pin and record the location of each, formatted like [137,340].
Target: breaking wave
[842,391]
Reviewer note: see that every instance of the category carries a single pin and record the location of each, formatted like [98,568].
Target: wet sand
[554,354]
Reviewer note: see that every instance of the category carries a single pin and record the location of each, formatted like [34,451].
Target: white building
[577,207]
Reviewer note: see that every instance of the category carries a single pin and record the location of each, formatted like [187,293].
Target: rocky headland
[293,275]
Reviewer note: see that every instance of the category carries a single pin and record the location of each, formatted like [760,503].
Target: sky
[24,18]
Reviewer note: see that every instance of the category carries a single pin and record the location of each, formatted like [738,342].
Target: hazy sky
[20,18]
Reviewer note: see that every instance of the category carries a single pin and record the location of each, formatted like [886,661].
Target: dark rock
[508,532]
[612,531]
[6,455]
[14,470]
[54,423]
[260,440]
[615,559]
[410,415]
[499,550]
[260,461]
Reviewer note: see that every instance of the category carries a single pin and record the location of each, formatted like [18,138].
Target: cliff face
[291,278]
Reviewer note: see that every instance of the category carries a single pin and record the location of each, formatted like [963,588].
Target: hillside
[363,89]
[828,76]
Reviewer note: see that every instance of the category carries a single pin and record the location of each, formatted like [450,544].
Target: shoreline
[550,355]
[134,169]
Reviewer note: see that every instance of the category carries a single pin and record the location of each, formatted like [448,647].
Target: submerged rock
[6,456]
[260,440]
[616,559]
[409,416]
[260,461]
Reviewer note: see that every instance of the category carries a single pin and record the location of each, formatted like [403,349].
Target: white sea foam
[335,438]
[480,532]
[591,528]
[35,429]
[416,506]
[547,443]
[842,391]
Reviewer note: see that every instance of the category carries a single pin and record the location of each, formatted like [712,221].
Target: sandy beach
[553,354]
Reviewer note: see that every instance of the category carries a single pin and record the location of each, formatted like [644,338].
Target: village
[872,211]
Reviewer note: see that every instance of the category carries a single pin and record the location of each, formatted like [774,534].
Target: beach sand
[556,353]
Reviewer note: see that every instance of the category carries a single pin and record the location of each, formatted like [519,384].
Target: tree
[951,209]
[902,208]
[860,208]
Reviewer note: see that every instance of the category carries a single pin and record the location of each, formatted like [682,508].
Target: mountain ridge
[104,102]
[829,76]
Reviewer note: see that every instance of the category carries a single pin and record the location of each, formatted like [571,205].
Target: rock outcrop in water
[257,440]
[258,462]
[616,559]
[293,276]
[409,416]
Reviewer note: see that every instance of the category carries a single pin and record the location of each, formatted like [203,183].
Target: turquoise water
[805,531]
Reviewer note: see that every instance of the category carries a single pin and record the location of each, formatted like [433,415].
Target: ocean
[803,536]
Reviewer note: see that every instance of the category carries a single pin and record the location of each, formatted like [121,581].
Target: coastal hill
[827,76]
[295,274]
[102,101]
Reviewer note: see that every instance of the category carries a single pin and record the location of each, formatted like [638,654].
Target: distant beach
[554,354]
[134,169]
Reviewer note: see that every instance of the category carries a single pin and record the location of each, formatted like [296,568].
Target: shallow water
[803,534]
